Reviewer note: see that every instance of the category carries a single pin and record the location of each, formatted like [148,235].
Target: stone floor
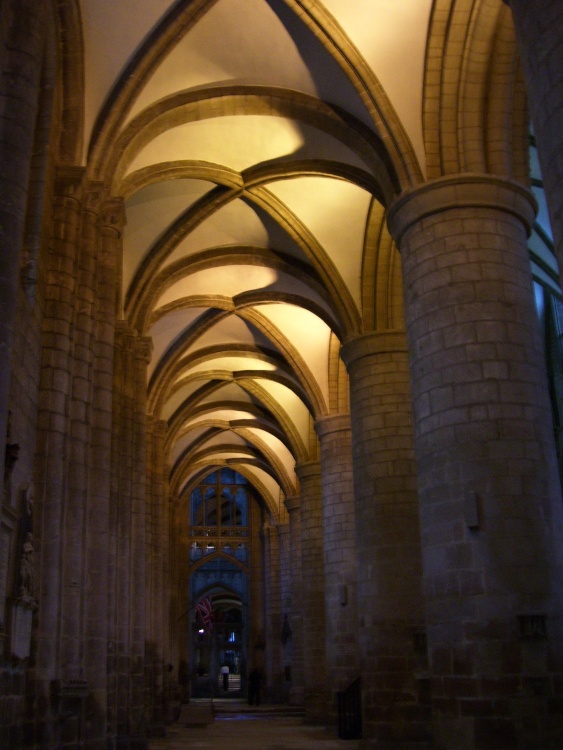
[237,726]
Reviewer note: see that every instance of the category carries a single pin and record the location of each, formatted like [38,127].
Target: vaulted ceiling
[256,144]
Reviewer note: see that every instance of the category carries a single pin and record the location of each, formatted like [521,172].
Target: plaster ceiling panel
[335,212]
[237,223]
[230,330]
[222,415]
[242,141]
[290,403]
[308,334]
[232,280]
[112,31]
[275,446]
[179,396]
[265,480]
[168,328]
[184,442]
[226,436]
[229,391]
[392,39]
[230,364]
[262,480]
[149,212]
[219,439]
[220,50]
[224,280]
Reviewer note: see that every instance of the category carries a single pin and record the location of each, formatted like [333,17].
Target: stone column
[98,515]
[180,609]
[286,634]
[52,438]
[297,690]
[137,602]
[312,557]
[390,604]
[75,540]
[127,536]
[539,32]
[339,533]
[157,601]
[490,500]
[273,613]
[22,39]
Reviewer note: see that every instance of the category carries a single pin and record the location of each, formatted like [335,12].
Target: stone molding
[333,424]
[70,182]
[293,503]
[479,191]
[112,214]
[373,343]
[308,470]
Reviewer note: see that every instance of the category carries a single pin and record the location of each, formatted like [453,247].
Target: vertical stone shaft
[170,678]
[127,525]
[112,598]
[273,613]
[297,690]
[77,501]
[339,532]
[539,32]
[22,39]
[157,549]
[96,605]
[180,572]
[314,652]
[286,633]
[390,606]
[490,501]
[151,577]
[142,355]
[52,442]
[119,562]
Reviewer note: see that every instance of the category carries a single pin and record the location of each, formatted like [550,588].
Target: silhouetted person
[225,673]
[254,680]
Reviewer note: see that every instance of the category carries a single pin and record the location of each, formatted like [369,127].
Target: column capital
[70,182]
[113,214]
[478,191]
[143,349]
[293,503]
[373,343]
[308,470]
[333,424]
[95,193]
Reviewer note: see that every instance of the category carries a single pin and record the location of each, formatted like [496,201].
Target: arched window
[218,512]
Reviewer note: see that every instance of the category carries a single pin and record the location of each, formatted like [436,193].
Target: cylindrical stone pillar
[490,499]
[286,634]
[22,39]
[96,607]
[297,689]
[157,544]
[539,31]
[272,613]
[340,568]
[52,442]
[137,601]
[390,603]
[126,697]
[312,556]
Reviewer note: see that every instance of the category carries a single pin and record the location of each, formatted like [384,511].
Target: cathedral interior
[281,374]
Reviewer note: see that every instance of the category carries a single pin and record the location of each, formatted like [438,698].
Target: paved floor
[242,728]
